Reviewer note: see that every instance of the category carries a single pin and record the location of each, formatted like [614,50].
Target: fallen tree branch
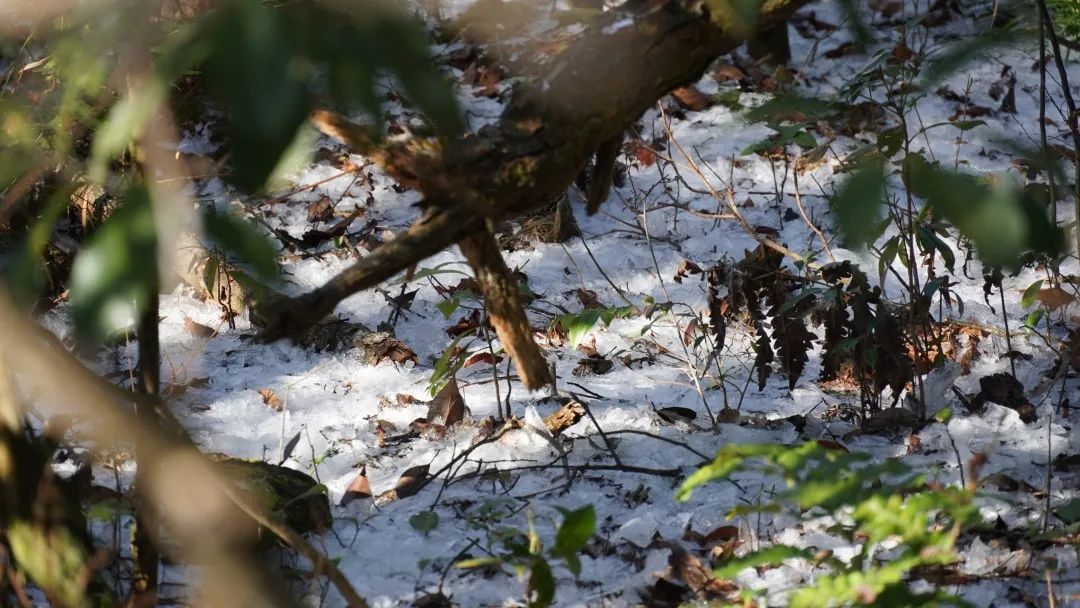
[503,302]
[556,120]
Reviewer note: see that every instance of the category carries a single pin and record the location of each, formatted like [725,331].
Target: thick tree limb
[504,308]
[585,96]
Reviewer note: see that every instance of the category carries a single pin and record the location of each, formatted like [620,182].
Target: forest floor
[248,400]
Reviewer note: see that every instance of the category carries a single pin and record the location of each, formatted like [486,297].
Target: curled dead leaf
[359,489]
[271,400]
[564,418]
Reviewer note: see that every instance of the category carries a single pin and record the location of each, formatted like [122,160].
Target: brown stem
[503,302]
[145,557]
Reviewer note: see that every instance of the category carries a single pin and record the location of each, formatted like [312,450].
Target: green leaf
[210,273]
[929,240]
[576,530]
[24,273]
[1031,321]
[1002,220]
[944,415]
[1031,294]
[541,586]
[424,521]
[967,125]
[857,205]
[116,270]
[577,325]
[1069,512]
[243,240]
[444,368]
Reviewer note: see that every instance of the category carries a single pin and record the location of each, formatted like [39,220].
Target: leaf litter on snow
[368,449]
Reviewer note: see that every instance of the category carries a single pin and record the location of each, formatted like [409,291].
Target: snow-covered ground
[338,403]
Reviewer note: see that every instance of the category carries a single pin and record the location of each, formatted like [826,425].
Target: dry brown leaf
[686,267]
[411,481]
[320,210]
[689,569]
[642,152]
[690,332]
[360,488]
[691,99]
[566,417]
[197,329]
[271,399]
[727,71]
[448,407]
[481,357]
[589,299]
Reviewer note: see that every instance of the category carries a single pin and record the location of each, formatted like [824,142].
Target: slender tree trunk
[144,585]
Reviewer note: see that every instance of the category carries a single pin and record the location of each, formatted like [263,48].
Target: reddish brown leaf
[719,535]
[642,152]
[360,488]
[691,99]
[481,357]
[465,324]
[271,399]
[690,332]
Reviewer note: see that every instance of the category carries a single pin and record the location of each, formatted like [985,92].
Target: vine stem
[1070,103]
